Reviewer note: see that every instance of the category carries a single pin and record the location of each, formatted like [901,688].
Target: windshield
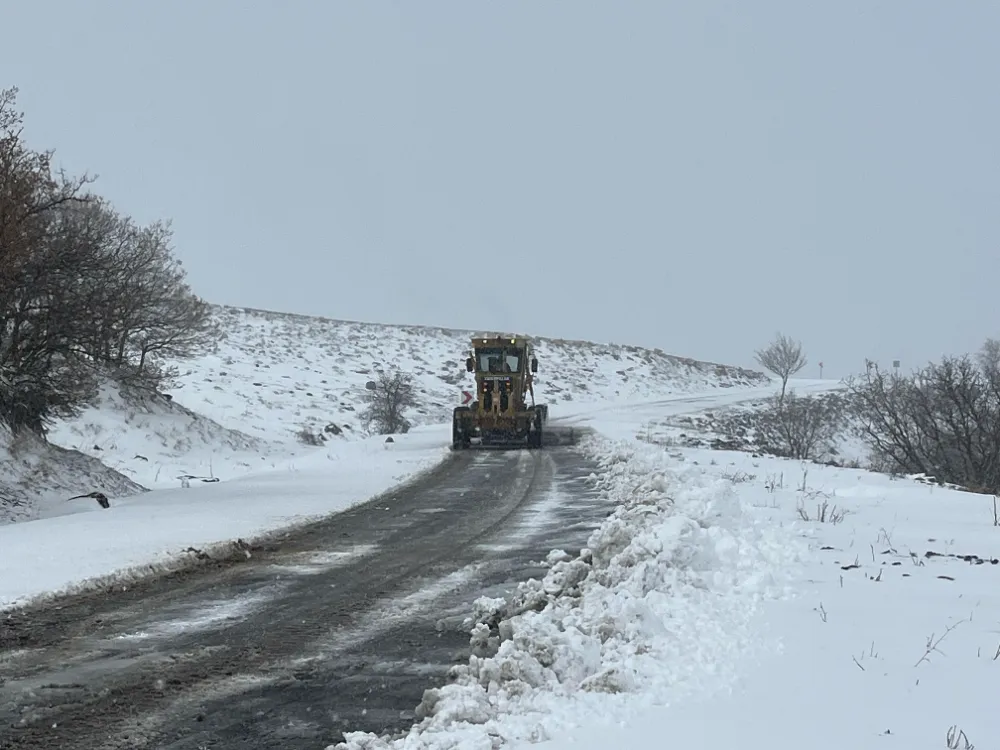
[498,360]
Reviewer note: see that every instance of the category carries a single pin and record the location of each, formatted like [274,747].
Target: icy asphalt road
[336,628]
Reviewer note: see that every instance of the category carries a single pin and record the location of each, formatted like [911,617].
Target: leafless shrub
[782,357]
[386,401]
[307,436]
[942,421]
[800,427]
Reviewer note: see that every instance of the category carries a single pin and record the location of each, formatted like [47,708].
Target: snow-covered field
[714,609]
[37,477]
[734,426]
[241,408]
[655,419]
[154,441]
[152,532]
[711,609]
[276,373]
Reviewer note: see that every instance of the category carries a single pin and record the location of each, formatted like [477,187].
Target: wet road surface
[337,627]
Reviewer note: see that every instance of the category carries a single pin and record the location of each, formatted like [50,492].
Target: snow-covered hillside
[155,440]
[39,477]
[277,373]
[241,408]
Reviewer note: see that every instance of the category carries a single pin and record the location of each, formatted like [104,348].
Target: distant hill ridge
[752,377]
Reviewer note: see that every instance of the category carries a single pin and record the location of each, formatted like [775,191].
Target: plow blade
[474,431]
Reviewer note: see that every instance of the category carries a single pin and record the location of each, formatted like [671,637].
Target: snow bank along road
[337,627]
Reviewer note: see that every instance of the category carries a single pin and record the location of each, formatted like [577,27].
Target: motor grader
[500,414]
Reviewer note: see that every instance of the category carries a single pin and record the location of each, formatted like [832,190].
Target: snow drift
[153,439]
[660,605]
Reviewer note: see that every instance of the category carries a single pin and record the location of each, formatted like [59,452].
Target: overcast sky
[692,176]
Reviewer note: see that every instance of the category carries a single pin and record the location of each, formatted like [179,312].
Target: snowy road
[623,420]
[340,627]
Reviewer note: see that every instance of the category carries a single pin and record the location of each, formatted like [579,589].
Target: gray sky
[691,176]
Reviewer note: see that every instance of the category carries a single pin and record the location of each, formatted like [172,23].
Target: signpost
[467,397]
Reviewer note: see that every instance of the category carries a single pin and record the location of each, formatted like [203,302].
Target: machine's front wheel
[535,432]
[459,435]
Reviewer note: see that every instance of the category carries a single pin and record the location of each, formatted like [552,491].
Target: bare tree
[81,287]
[782,357]
[989,356]
[158,316]
[387,399]
[141,309]
[42,258]
[942,421]
[113,293]
[30,191]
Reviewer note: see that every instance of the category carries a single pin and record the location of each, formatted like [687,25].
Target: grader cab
[503,413]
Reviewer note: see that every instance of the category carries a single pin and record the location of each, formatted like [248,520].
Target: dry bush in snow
[308,436]
[943,421]
[386,401]
[801,427]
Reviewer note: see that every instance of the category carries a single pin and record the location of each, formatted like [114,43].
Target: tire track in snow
[352,644]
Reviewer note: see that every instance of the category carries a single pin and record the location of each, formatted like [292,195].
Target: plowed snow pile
[661,605]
